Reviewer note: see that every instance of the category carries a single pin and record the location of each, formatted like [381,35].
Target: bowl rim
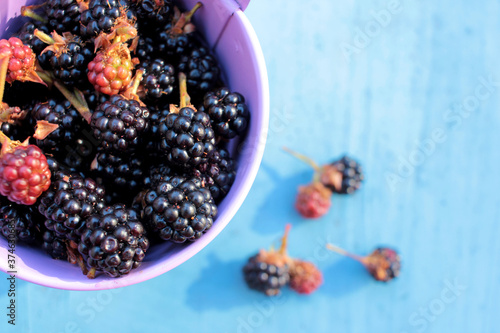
[257,144]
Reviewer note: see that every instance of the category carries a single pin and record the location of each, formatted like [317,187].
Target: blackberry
[119,123]
[383,264]
[122,172]
[156,120]
[22,221]
[177,209]
[114,241]
[228,112]
[79,156]
[27,36]
[69,200]
[201,69]
[101,17]
[305,277]
[63,15]
[156,174]
[217,173]
[264,277]
[268,271]
[313,200]
[54,245]
[343,176]
[153,13]
[158,79]
[62,113]
[176,38]
[145,48]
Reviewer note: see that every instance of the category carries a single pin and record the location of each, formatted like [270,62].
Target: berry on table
[384,263]
[313,200]
[305,277]
[268,271]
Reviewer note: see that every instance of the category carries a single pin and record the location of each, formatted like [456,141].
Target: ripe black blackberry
[27,36]
[158,79]
[68,202]
[268,271]
[187,136]
[62,113]
[176,38]
[22,221]
[68,57]
[152,13]
[156,174]
[114,241]
[101,17]
[229,114]
[79,155]
[63,15]
[343,176]
[145,48]
[119,124]
[125,173]
[217,173]
[201,69]
[177,209]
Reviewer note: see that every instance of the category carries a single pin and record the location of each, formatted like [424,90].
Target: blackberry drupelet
[119,124]
[60,112]
[114,241]
[264,277]
[177,209]
[228,112]
[187,138]
[101,17]
[68,202]
[217,173]
[343,176]
[201,69]
[158,79]
[24,221]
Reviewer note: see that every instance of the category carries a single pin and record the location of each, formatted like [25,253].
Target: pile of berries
[343,176]
[133,121]
[269,271]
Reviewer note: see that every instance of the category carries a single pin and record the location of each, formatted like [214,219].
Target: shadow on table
[278,207]
[344,277]
[220,286]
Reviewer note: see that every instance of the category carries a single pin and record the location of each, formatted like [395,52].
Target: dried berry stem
[185,99]
[190,14]
[44,37]
[184,19]
[28,11]
[303,158]
[345,253]
[284,240]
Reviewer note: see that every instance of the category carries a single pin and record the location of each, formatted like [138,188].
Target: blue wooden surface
[342,82]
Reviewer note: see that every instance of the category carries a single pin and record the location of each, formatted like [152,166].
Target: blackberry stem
[185,99]
[184,19]
[343,252]
[284,240]
[28,11]
[304,159]
[44,37]
[190,14]
[79,105]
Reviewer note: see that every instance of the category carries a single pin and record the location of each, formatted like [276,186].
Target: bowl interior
[235,44]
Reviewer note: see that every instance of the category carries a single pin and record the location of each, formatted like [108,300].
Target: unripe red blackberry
[305,277]
[20,59]
[313,200]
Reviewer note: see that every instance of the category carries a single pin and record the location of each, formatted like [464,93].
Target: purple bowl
[235,44]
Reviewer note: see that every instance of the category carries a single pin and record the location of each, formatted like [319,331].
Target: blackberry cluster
[22,221]
[229,114]
[384,264]
[63,15]
[264,277]
[217,173]
[101,17]
[71,65]
[118,123]
[177,209]
[158,80]
[187,137]
[62,113]
[201,69]
[70,199]
[114,241]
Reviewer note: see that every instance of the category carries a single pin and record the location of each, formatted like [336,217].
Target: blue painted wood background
[411,89]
